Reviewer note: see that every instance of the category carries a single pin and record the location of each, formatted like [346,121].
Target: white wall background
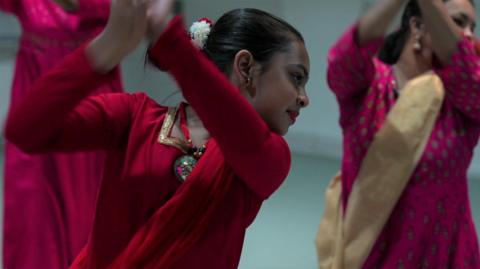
[282,236]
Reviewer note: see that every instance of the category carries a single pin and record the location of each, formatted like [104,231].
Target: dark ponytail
[393,46]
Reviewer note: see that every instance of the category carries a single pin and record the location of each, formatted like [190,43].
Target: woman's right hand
[125,29]
[160,12]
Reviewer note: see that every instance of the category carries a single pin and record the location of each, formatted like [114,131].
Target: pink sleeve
[56,114]
[258,156]
[461,78]
[351,68]
[10,6]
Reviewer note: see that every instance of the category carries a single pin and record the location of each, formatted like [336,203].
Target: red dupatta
[177,225]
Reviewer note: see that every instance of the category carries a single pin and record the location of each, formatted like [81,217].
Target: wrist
[162,52]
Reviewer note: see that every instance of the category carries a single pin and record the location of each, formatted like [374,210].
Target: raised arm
[377,19]
[258,156]
[444,32]
[56,115]
[53,113]
[460,62]
[351,67]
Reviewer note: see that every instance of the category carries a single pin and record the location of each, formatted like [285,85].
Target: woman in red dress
[182,184]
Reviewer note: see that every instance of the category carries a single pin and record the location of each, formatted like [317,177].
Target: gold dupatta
[345,239]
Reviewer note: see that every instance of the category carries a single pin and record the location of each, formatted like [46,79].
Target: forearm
[440,26]
[103,53]
[126,27]
[52,97]
[376,21]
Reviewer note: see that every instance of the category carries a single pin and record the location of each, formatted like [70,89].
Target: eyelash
[461,23]
[297,79]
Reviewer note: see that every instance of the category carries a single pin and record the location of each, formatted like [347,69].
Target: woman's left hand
[125,29]
[444,33]
[159,14]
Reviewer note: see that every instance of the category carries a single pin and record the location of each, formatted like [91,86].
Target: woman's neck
[198,134]
[409,66]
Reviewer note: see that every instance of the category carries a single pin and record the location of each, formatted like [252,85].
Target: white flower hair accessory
[199,32]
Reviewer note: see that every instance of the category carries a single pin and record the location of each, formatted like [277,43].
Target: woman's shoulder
[139,103]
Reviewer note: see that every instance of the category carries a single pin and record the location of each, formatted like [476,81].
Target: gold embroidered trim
[164,137]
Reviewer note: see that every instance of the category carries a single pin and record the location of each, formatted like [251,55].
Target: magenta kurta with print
[431,225]
[49,199]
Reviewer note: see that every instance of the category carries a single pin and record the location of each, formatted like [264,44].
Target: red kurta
[138,177]
[49,198]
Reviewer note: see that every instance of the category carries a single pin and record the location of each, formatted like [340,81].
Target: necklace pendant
[183,166]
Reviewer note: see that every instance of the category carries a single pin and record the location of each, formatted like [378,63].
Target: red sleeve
[56,114]
[258,156]
[10,6]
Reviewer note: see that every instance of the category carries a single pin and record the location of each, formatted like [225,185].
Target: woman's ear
[417,31]
[416,26]
[242,70]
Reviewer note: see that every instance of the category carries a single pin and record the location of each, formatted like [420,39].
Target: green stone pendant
[183,166]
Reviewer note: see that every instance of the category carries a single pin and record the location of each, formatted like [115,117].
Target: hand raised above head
[159,14]
[125,29]
[127,23]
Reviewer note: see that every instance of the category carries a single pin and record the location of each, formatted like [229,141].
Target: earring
[417,46]
[249,80]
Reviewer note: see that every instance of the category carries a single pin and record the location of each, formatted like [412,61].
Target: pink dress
[50,198]
[431,225]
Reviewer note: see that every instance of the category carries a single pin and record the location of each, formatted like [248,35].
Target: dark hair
[259,32]
[395,42]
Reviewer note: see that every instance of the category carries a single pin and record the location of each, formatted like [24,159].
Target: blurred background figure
[417,189]
[49,199]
